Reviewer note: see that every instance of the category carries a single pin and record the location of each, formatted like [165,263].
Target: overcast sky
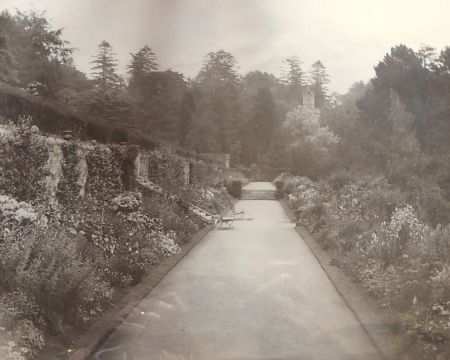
[348,36]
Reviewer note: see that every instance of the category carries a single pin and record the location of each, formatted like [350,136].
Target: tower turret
[308,97]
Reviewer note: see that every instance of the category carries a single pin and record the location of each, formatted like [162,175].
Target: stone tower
[308,97]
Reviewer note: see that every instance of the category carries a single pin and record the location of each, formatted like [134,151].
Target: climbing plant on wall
[23,159]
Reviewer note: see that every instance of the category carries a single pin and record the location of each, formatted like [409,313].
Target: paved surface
[251,292]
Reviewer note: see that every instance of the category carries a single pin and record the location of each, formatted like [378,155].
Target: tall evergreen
[427,55]
[104,69]
[292,78]
[108,101]
[143,64]
[219,86]
[219,69]
[319,80]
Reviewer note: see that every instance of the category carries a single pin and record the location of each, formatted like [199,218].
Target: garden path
[251,292]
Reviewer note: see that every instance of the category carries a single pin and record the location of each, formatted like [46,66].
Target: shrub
[166,245]
[175,219]
[339,179]
[68,187]
[20,305]
[18,213]
[430,202]
[348,235]
[279,186]
[29,337]
[235,188]
[136,231]
[382,282]
[127,243]
[401,238]
[440,282]
[127,202]
[296,184]
[104,180]
[438,245]
[326,239]
[21,317]
[47,264]
[10,348]
[305,198]
[213,199]
[23,160]
[165,169]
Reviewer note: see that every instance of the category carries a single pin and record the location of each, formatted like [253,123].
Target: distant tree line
[218,111]
[405,107]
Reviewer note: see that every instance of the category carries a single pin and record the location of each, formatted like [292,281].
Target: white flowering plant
[19,213]
[403,237]
[22,331]
[127,202]
[9,347]
[166,244]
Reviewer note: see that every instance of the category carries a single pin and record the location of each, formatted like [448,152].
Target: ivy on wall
[68,187]
[104,179]
[23,159]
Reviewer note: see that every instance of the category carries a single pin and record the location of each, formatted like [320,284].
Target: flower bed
[75,228]
[379,238]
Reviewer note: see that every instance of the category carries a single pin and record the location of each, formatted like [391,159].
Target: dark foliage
[235,188]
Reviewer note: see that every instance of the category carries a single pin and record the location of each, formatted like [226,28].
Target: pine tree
[427,55]
[104,69]
[219,69]
[111,107]
[143,63]
[319,81]
[219,86]
[292,78]
[147,88]
[443,62]
[108,102]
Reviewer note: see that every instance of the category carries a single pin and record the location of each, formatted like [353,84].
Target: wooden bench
[226,220]
[237,214]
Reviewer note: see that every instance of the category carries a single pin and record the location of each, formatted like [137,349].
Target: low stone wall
[73,168]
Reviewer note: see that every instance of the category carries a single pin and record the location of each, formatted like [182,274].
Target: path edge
[377,323]
[128,303]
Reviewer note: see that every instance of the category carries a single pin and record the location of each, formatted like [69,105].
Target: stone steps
[258,194]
